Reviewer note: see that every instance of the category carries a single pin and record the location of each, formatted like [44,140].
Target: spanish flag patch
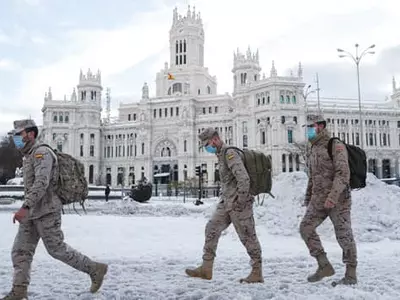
[229,156]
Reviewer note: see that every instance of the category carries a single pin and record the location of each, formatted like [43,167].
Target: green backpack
[71,185]
[259,168]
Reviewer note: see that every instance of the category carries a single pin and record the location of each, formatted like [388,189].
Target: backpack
[259,169]
[357,164]
[71,185]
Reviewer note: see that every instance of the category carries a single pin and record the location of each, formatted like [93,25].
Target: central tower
[185,74]
[186,39]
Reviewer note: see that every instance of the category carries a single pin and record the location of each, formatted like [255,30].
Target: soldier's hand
[20,214]
[329,204]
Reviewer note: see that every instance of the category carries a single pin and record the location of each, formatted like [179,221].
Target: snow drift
[375,209]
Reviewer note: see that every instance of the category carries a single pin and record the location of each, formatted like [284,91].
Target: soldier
[328,195]
[236,206]
[40,216]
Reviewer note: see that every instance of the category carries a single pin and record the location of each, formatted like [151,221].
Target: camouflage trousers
[340,216]
[48,228]
[242,218]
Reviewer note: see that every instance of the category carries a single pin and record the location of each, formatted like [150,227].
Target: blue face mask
[311,133]
[211,149]
[19,143]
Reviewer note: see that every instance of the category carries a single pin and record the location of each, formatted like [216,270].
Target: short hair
[34,129]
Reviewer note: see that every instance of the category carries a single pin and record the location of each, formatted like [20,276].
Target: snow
[375,209]
[148,246]
[16,181]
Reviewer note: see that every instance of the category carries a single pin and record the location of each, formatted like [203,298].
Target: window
[282,99]
[283,163]
[245,142]
[263,137]
[81,150]
[129,117]
[184,146]
[91,150]
[290,136]
[177,87]
[142,148]
[134,117]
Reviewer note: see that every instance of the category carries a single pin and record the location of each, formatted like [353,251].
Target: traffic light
[198,171]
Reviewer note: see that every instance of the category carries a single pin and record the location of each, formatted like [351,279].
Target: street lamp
[357,59]
[305,95]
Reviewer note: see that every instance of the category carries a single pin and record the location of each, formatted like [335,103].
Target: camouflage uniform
[43,221]
[329,180]
[236,206]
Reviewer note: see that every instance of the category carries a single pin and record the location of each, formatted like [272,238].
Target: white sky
[131,52]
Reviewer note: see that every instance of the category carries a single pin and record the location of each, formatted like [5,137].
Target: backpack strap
[231,147]
[51,152]
[330,146]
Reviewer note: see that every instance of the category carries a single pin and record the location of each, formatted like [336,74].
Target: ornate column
[379,167]
[393,167]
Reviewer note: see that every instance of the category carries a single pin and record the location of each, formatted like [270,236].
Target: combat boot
[350,277]
[97,276]
[205,271]
[254,276]
[325,269]
[18,292]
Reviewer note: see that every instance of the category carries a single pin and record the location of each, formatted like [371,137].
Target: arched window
[177,87]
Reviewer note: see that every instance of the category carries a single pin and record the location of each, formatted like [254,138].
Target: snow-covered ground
[148,246]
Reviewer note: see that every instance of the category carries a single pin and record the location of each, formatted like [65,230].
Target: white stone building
[159,135]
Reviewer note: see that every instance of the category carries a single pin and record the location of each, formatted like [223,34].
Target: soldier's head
[25,132]
[210,140]
[315,125]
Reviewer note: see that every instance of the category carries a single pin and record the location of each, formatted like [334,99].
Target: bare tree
[10,159]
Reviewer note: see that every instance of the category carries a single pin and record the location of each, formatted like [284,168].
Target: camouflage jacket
[328,179]
[39,181]
[235,182]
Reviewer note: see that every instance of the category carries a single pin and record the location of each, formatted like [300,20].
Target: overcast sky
[46,42]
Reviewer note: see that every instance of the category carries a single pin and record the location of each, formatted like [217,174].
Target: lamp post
[357,58]
[305,95]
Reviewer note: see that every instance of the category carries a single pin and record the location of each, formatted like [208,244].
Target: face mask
[311,133]
[211,149]
[19,143]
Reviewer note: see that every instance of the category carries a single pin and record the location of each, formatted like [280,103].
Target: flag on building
[171,77]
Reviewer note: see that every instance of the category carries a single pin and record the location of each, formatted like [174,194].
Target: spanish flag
[171,77]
